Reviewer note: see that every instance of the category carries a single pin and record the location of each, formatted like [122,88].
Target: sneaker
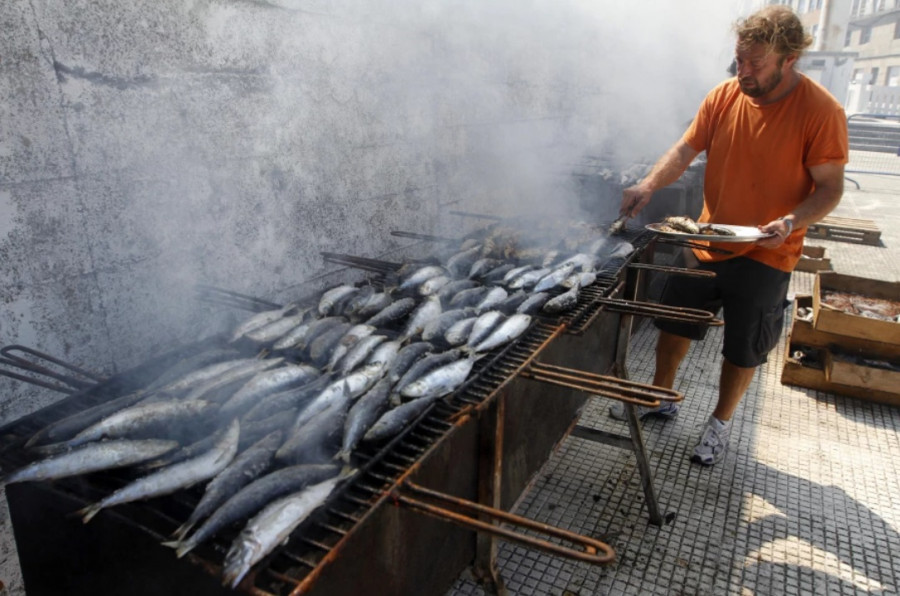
[666,410]
[714,442]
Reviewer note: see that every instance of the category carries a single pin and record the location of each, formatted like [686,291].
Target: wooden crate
[846,229]
[838,322]
[813,259]
[860,382]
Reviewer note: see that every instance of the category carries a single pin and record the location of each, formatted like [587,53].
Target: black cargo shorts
[752,297]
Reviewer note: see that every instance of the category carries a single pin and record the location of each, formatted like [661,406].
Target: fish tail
[182,530]
[89,512]
[342,455]
[176,544]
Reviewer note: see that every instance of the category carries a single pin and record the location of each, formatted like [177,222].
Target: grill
[385,530]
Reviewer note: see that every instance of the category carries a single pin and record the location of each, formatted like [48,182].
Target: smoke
[230,142]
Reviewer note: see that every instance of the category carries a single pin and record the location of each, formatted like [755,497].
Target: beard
[755,88]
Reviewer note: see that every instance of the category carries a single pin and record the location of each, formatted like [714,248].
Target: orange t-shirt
[758,159]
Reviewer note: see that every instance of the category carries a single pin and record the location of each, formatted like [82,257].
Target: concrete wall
[150,146]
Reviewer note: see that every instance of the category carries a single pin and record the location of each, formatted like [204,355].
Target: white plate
[741,233]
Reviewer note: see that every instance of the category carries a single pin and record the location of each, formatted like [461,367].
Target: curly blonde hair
[776,27]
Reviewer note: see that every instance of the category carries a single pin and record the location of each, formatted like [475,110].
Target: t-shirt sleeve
[697,135]
[829,142]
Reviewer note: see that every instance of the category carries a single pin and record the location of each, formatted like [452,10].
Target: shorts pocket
[769,331]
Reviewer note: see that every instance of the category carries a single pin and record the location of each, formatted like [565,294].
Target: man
[776,145]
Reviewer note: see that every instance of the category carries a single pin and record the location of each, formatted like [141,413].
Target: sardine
[434,330]
[469,297]
[362,416]
[385,355]
[554,278]
[420,276]
[406,357]
[440,381]
[90,458]
[318,439]
[243,470]
[563,302]
[272,526]
[373,305]
[266,383]
[396,419]
[533,304]
[514,273]
[321,348]
[344,389]
[582,261]
[301,338]
[254,497]
[509,305]
[428,310]
[175,477]
[425,365]
[284,400]
[256,321]
[194,378]
[348,341]
[70,426]
[191,363]
[433,285]
[357,300]
[358,353]
[484,325]
[493,297]
[273,331]
[507,331]
[496,275]
[482,266]
[454,287]
[460,263]
[393,312]
[459,332]
[144,418]
[331,297]
[242,372]
[580,279]
[527,279]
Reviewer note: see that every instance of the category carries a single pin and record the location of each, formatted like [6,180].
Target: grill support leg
[634,425]
[490,474]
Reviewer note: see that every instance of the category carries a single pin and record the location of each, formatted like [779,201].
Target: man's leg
[670,351]
[733,383]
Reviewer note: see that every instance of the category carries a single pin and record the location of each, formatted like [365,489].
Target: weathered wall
[150,146]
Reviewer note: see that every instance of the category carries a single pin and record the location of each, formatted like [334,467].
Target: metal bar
[490,475]
[593,383]
[691,244]
[592,550]
[476,215]
[661,311]
[38,354]
[634,426]
[673,270]
[32,380]
[365,263]
[427,237]
[215,294]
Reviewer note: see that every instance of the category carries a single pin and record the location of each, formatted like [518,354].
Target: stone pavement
[807,501]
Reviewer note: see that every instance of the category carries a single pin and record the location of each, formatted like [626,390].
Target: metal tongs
[619,225]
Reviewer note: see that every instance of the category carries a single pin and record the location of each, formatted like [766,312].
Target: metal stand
[635,440]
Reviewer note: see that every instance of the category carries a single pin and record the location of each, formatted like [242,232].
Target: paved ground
[807,501]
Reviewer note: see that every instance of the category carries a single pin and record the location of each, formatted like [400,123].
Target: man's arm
[667,170]
[829,179]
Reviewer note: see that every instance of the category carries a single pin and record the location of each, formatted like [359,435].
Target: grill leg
[640,453]
[490,472]
[634,424]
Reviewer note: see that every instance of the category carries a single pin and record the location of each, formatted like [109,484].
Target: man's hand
[780,230]
[634,198]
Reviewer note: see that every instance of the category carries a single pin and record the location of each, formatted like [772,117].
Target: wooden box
[810,361]
[813,259]
[830,320]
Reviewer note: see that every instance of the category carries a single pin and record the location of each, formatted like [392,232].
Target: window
[857,75]
[893,76]
[847,37]
[873,77]
[801,6]
[854,9]
[897,30]
[865,34]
